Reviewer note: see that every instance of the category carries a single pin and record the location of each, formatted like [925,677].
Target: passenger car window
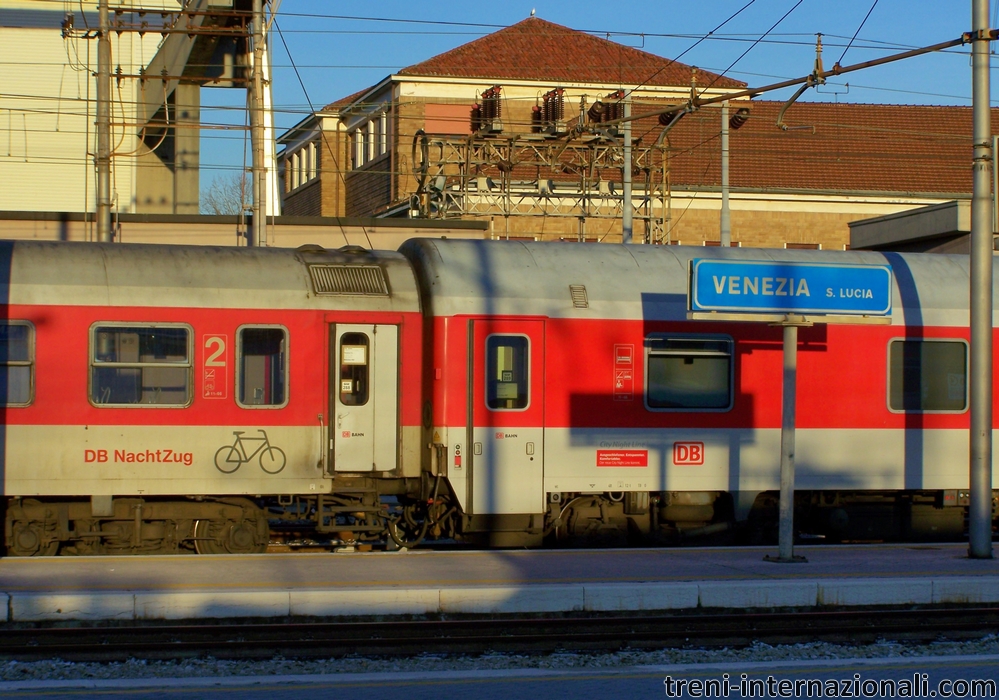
[688,373]
[17,360]
[263,367]
[507,372]
[927,375]
[140,366]
[354,362]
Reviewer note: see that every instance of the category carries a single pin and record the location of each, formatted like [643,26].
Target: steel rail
[538,634]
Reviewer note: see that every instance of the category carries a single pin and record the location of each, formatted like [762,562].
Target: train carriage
[156,395]
[169,399]
[569,386]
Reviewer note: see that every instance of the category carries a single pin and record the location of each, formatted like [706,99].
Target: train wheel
[207,539]
[248,536]
[28,539]
[272,460]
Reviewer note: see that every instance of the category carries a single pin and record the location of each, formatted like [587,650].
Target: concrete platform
[432,582]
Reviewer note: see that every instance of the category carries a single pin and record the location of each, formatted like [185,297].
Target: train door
[364,397]
[507,417]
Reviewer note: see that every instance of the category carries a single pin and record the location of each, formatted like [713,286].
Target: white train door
[507,412]
[364,397]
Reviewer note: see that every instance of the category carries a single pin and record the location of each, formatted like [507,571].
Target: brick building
[530,83]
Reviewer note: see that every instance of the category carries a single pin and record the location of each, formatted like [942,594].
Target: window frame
[313,171]
[29,363]
[91,363]
[967,371]
[367,364]
[648,353]
[286,372]
[485,373]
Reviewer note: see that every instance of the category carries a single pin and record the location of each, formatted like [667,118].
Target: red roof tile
[854,148]
[535,49]
[343,101]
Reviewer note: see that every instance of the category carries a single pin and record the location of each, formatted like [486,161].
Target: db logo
[499,436]
[688,453]
[345,433]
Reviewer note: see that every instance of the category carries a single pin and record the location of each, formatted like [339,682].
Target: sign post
[789,295]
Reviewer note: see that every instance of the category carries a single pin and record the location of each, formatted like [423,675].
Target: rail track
[470,635]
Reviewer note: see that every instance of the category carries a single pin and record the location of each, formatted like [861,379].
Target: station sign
[788,287]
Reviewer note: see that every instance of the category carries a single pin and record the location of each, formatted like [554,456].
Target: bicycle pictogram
[229,458]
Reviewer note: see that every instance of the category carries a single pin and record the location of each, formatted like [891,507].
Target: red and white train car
[157,396]
[160,399]
[571,394]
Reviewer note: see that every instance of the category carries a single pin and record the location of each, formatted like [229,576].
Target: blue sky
[336,56]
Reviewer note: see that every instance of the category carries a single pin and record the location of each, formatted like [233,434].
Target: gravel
[209,667]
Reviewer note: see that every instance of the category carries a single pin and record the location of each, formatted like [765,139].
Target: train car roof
[645,282]
[123,274]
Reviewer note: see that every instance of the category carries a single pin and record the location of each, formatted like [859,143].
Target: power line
[873,5]
[752,46]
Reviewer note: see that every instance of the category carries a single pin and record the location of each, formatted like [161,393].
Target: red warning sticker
[622,458]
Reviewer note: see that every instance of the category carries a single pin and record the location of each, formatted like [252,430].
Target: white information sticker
[354,354]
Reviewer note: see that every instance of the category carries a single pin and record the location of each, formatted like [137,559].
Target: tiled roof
[343,101]
[854,148]
[535,49]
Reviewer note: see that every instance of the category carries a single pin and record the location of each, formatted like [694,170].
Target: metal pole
[980,374]
[726,223]
[790,378]
[258,235]
[627,220]
[103,157]
[995,185]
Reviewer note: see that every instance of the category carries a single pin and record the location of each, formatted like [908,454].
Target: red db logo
[685,453]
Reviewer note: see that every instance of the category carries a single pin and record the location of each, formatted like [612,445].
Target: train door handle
[477,448]
[530,448]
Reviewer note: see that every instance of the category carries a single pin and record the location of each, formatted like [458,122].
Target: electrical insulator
[615,108]
[476,118]
[596,112]
[536,119]
[738,119]
[666,118]
[492,108]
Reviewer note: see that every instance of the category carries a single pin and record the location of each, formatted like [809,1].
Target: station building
[798,186]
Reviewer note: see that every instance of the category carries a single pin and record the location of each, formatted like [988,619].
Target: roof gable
[535,49]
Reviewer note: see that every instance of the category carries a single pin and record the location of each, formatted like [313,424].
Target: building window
[928,376]
[135,365]
[359,149]
[688,373]
[369,140]
[262,364]
[17,358]
[302,166]
[507,372]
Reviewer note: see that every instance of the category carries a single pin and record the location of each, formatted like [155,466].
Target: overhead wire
[751,47]
[853,38]
[322,133]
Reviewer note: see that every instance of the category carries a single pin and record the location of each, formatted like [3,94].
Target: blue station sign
[786,287]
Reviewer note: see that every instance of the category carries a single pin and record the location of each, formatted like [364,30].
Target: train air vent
[348,279]
[578,294]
